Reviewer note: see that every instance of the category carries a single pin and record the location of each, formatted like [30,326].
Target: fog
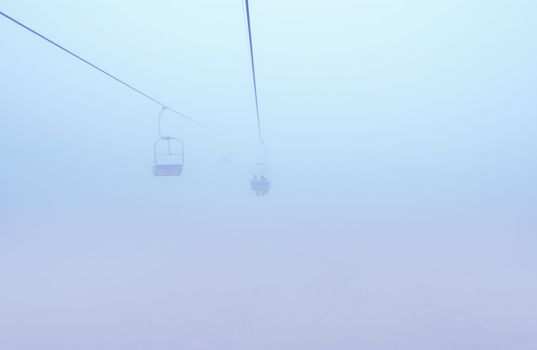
[402,153]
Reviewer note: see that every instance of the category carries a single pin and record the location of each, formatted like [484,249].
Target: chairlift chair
[260,182]
[170,162]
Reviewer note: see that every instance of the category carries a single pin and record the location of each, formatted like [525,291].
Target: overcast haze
[402,148]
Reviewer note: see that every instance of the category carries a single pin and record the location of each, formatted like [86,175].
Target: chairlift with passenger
[259,182]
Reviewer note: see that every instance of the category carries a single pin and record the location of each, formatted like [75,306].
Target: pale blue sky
[402,145]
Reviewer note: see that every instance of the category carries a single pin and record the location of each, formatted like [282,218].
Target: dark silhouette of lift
[259,182]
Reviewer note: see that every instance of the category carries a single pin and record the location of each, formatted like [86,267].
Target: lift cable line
[249,24]
[259,182]
[138,91]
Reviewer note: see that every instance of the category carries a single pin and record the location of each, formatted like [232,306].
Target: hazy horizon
[402,149]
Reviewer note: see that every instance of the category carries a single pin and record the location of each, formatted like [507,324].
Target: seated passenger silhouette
[255,185]
[260,185]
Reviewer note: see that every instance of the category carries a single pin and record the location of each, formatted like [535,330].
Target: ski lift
[169,154]
[171,161]
[259,182]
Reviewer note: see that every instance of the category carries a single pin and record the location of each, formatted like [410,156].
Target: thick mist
[402,148]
